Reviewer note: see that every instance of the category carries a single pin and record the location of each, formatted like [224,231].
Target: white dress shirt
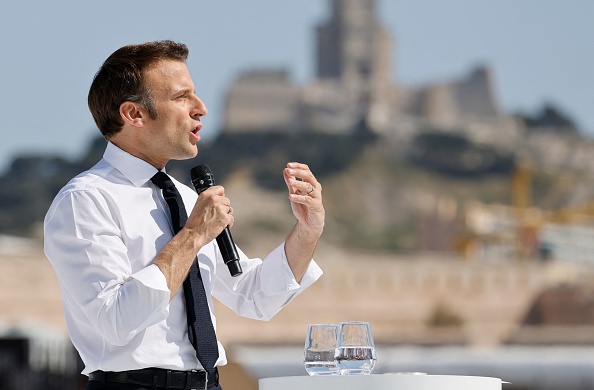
[102,233]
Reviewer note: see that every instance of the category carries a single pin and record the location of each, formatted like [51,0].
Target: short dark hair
[121,78]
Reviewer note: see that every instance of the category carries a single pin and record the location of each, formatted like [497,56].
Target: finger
[214,190]
[298,185]
[223,205]
[300,172]
[298,165]
[308,201]
[225,208]
[303,199]
[307,189]
[225,212]
[231,220]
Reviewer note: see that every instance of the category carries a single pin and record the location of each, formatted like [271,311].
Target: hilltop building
[354,89]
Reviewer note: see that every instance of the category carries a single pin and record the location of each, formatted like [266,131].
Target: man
[111,238]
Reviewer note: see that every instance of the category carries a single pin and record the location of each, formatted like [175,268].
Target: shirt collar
[133,168]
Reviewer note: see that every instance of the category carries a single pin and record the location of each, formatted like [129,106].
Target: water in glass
[355,360]
[355,349]
[320,344]
[320,363]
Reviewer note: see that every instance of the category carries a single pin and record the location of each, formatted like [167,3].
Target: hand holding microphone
[202,179]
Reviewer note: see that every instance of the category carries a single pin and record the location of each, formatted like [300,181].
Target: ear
[132,113]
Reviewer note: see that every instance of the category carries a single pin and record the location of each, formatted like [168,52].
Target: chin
[189,153]
[184,155]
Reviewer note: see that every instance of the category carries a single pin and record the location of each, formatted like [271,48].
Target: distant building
[354,86]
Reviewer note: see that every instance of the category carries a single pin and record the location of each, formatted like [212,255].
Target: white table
[381,382]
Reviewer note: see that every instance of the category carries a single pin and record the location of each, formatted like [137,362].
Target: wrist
[193,237]
[308,234]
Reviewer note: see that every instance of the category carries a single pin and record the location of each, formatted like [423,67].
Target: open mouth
[195,131]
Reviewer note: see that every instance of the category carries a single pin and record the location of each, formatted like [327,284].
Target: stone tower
[353,55]
[354,90]
[352,46]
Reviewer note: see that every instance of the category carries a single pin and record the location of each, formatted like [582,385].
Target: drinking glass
[355,350]
[320,345]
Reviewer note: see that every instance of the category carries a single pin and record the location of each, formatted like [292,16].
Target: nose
[199,110]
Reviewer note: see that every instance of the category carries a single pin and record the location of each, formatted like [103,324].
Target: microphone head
[202,177]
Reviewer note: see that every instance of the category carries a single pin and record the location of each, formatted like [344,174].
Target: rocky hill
[378,194]
[374,192]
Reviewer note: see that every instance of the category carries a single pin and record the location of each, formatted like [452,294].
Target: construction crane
[519,226]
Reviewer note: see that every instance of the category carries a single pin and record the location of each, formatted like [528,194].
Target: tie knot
[162,180]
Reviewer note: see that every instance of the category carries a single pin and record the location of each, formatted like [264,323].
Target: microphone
[202,179]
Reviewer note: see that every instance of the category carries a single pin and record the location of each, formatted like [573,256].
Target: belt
[158,377]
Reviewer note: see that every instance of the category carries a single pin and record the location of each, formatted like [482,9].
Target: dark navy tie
[200,329]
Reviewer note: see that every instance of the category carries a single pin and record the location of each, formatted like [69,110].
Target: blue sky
[539,50]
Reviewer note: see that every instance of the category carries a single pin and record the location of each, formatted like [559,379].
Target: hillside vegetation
[378,196]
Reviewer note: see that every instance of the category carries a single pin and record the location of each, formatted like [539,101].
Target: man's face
[174,133]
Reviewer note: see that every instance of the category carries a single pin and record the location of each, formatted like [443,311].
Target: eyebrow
[182,91]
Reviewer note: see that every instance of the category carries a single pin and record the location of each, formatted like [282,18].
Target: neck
[134,150]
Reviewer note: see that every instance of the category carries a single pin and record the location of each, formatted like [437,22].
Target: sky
[539,50]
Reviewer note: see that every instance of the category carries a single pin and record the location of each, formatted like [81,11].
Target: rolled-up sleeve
[278,278]
[265,286]
[83,242]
